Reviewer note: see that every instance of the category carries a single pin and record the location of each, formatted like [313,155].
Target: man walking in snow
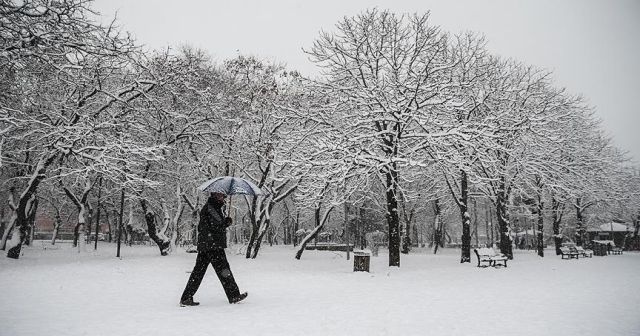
[212,240]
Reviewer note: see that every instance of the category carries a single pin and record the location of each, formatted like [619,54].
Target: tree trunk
[463,204]
[32,222]
[503,219]
[109,226]
[56,228]
[475,221]
[437,236]
[252,240]
[80,230]
[557,208]
[319,224]
[120,216]
[255,227]
[579,222]
[8,229]
[95,243]
[24,204]
[264,228]
[296,227]
[265,222]
[3,222]
[172,223]
[84,211]
[392,216]
[406,232]
[19,237]
[635,239]
[150,218]
[194,218]
[540,236]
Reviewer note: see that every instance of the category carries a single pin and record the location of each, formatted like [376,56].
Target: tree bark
[95,244]
[84,211]
[503,219]
[463,204]
[296,226]
[558,209]
[475,221]
[462,200]
[540,240]
[393,219]
[24,204]
[319,224]
[56,228]
[406,232]
[32,222]
[263,226]
[437,236]
[12,220]
[150,218]
[263,229]
[579,222]
[254,219]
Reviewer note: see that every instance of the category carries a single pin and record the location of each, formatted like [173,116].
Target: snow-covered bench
[569,252]
[585,253]
[615,250]
[489,256]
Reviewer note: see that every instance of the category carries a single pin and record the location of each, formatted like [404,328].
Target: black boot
[188,302]
[239,298]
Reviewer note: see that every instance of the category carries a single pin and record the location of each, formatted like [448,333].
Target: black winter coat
[212,228]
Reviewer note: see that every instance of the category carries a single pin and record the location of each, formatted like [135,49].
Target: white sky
[591,45]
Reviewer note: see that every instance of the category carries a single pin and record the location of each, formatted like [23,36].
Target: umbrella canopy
[231,185]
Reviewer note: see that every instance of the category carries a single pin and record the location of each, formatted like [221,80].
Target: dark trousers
[218,259]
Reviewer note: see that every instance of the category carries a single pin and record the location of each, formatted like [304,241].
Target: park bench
[569,252]
[616,250]
[489,256]
[585,253]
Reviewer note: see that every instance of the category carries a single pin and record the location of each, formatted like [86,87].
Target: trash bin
[361,260]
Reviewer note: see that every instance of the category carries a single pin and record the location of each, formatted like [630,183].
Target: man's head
[218,197]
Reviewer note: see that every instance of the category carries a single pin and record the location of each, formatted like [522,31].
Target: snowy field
[60,292]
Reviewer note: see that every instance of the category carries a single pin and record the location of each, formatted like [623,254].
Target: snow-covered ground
[61,292]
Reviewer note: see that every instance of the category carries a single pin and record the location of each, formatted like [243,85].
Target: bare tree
[386,76]
[79,70]
[84,210]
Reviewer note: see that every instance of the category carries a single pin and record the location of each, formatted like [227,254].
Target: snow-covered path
[61,292]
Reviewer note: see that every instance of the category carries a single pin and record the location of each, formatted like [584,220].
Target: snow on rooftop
[610,227]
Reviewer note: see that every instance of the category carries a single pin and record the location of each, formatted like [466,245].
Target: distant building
[611,231]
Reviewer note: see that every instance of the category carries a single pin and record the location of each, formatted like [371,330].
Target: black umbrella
[231,185]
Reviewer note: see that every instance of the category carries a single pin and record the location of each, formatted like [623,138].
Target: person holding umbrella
[212,240]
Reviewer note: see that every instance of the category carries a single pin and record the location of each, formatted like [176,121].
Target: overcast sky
[593,46]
